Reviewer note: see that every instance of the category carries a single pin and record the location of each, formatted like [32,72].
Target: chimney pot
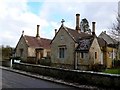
[93,28]
[77,14]
[78,22]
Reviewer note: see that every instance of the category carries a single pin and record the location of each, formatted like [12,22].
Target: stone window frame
[62,51]
[82,55]
[96,55]
[21,52]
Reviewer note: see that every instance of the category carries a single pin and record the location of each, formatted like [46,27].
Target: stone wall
[95,48]
[77,76]
[22,45]
[5,63]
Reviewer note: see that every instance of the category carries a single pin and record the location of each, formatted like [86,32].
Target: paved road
[15,80]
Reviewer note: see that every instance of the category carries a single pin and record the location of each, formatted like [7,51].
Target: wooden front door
[39,55]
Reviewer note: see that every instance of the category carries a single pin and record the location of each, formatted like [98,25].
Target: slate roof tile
[37,43]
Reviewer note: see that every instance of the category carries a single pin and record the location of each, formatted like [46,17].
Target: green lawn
[112,71]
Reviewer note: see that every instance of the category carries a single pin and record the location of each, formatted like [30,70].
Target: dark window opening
[82,55]
[21,52]
[61,52]
[95,55]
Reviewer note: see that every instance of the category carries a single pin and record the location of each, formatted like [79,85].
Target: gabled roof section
[73,33]
[107,38]
[85,44]
[37,43]
[22,36]
[101,41]
[77,35]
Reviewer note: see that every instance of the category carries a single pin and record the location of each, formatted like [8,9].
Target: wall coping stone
[79,71]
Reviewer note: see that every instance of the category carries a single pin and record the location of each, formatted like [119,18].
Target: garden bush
[45,61]
[116,63]
[97,67]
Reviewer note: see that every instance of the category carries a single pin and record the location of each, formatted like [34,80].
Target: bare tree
[116,29]
[115,32]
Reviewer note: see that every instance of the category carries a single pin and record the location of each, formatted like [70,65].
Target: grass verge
[112,71]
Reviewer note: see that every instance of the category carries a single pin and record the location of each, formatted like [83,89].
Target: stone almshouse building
[72,48]
[110,49]
[31,49]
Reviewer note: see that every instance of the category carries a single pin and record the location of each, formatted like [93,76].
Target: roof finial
[62,21]
[23,32]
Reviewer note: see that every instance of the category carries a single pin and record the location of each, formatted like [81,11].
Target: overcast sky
[19,15]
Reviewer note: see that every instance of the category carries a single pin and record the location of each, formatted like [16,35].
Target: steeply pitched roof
[75,35]
[107,38]
[84,44]
[37,43]
[81,38]
[101,42]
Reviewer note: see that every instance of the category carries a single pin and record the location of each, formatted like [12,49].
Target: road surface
[15,80]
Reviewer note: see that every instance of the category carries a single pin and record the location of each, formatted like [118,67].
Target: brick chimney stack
[93,28]
[37,35]
[78,22]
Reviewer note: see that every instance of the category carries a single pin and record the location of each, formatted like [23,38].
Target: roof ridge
[35,37]
[34,42]
[69,28]
[28,36]
[46,38]
[75,35]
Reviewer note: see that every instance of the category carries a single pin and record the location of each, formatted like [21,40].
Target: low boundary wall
[5,63]
[77,76]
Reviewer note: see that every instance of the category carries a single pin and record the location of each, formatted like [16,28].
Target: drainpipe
[75,60]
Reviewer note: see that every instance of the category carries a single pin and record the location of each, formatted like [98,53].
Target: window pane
[82,55]
[62,49]
[95,55]
[61,52]
[21,52]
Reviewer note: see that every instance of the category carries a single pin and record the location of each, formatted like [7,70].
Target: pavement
[76,85]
